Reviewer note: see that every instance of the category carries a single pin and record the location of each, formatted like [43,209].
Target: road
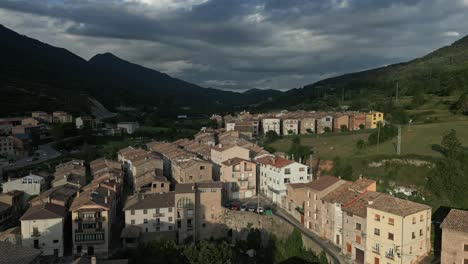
[46,152]
[332,250]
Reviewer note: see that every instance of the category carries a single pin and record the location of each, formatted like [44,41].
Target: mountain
[440,72]
[38,76]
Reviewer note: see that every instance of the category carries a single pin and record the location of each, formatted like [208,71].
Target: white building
[290,126]
[276,173]
[230,126]
[42,228]
[271,124]
[151,212]
[30,185]
[128,127]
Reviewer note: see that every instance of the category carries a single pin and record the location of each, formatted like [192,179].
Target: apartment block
[30,185]
[307,125]
[398,231]
[357,121]
[324,122]
[221,153]
[7,149]
[276,173]
[239,177]
[340,122]
[373,118]
[455,237]
[271,124]
[93,213]
[290,126]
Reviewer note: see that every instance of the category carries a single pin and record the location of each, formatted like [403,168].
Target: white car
[260,210]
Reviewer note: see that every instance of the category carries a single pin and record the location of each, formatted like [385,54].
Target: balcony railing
[90,219]
[89,230]
[376,250]
[243,179]
[35,234]
[158,215]
[390,256]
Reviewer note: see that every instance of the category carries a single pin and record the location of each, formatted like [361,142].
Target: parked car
[252,207]
[268,211]
[235,207]
[260,210]
[29,160]
[243,208]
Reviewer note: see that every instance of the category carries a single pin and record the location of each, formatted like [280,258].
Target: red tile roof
[277,162]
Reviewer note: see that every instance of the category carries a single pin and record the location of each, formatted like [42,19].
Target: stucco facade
[239,177]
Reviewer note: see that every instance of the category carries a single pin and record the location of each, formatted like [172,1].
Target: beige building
[151,183]
[221,153]
[93,213]
[307,125]
[73,172]
[455,237]
[191,170]
[239,177]
[398,231]
[61,117]
[332,217]
[7,149]
[43,116]
[324,122]
[355,227]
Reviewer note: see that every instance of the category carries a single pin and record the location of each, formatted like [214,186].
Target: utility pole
[396,93]
[399,140]
[378,136]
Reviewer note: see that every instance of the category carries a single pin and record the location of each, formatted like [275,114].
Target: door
[56,252]
[36,243]
[359,256]
[348,248]
[90,251]
[376,260]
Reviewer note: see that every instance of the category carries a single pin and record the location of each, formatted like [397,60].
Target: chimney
[93,260]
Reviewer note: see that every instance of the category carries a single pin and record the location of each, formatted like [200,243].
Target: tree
[450,143]
[327,129]
[360,144]
[461,105]
[342,168]
[362,126]
[271,136]
[344,128]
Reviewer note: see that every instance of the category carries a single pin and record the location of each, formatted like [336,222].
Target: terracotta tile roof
[13,254]
[149,201]
[190,163]
[397,206]
[61,193]
[93,196]
[456,220]
[277,162]
[322,183]
[148,178]
[235,161]
[185,188]
[359,206]
[45,211]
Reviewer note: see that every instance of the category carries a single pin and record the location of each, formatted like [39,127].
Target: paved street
[328,247]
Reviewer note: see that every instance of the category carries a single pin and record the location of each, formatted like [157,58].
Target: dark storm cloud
[240,44]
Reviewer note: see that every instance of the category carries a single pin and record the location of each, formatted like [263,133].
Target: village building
[455,237]
[239,177]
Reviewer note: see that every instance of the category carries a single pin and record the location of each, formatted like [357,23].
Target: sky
[243,44]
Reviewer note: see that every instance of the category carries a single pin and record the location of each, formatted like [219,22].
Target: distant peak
[106,55]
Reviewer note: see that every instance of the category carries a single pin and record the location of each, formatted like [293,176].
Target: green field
[416,139]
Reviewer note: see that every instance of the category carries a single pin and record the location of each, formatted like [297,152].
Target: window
[465,261]
[308,194]
[414,220]
[413,235]
[145,211]
[301,169]
[202,167]
[391,221]
[132,212]
[315,197]
[55,241]
[170,219]
[132,222]
[390,236]
[358,239]
[420,232]
[179,224]
[421,218]
[162,185]
[411,250]
[377,217]
[158,210]
[287,171]
[376,231]
[358,226]
[169,209]
[145,221]
[465,247]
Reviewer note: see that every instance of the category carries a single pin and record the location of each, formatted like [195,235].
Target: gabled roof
[397,206]
[150,201]
[456,220]
[45,211]
[322,183]
[276,161]
[235,161]
[93,196]
[62,193]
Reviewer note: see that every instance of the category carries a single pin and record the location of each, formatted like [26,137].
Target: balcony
[35,234]
[90,219]
[243,179]
[376,250]
[390,256]
[89,230]
[158,215]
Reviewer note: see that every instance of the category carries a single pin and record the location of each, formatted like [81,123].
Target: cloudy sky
[242,44]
